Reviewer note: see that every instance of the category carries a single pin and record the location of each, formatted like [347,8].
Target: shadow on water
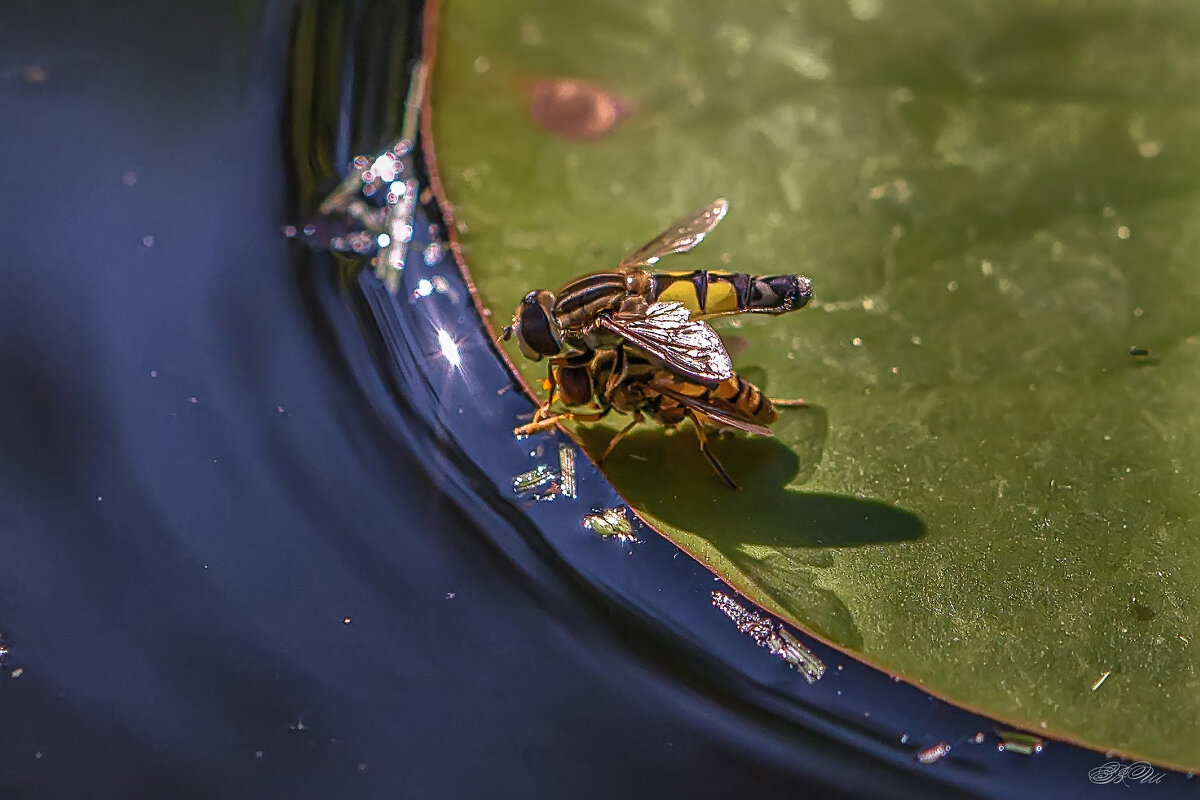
[780,537]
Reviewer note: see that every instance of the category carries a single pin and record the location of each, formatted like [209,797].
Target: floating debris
[377,195]
[768,633]
[610,522]
[432,253]
[931,755]
[543,483]
[566,468]
[539,483]
[1016,742]
[1103,678]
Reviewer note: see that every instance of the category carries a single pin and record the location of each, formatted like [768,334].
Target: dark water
[259,537]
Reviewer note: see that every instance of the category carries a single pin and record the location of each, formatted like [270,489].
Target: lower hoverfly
[625,380]
[660,312]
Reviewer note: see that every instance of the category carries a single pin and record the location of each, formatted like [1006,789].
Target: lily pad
[988,494]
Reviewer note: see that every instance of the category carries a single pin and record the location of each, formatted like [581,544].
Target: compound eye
[536,331]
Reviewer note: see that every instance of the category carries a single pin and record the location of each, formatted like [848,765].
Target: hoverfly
[626,380]
[660,312]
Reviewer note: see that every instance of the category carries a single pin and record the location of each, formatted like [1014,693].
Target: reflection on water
[449,348]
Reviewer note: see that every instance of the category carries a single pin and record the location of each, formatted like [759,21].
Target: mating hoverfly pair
[635,341]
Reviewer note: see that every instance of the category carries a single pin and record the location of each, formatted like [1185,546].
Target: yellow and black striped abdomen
[736,394]
[747,398]
[710,293]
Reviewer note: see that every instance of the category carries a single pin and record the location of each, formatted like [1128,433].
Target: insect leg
[637,420]
[793,402]
[712,459]
[546,423]
[619,370]
[545,407]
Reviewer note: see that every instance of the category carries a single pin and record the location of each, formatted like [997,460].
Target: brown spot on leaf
[575,110]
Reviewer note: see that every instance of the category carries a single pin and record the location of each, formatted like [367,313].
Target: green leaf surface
[995,200]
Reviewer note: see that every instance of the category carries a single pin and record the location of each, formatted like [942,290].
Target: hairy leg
[712,459]
[637,420]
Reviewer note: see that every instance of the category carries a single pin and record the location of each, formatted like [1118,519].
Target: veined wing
[726,416]
[664,332]
[681,236]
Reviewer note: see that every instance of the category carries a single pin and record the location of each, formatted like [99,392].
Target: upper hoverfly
[659,312]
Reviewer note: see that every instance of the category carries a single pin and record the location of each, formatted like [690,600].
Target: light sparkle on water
[449,348]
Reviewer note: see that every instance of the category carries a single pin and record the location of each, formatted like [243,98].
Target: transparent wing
[726,416]
[687,347]
[681,236]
